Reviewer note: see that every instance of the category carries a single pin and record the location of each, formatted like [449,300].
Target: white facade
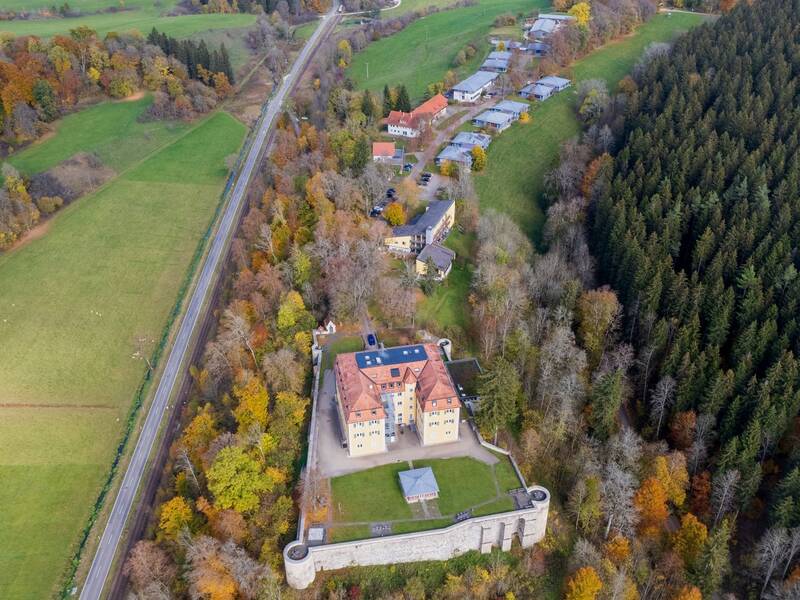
[403,131]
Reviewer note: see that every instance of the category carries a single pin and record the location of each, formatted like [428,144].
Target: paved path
[182,348]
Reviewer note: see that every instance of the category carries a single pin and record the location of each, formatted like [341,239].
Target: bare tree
[283,371]
[618,488]
[661,399]
[150,570]
[184,464]
[236,327]
[770,552]
[723,493]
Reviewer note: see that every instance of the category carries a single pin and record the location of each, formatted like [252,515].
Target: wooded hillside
[698,232]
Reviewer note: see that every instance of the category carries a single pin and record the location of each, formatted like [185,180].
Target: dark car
[391,192]
[371,340]
[408,167]
[427,174]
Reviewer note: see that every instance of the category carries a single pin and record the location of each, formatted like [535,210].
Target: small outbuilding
[419,484]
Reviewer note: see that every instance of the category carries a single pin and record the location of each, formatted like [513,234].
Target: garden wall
[479,533]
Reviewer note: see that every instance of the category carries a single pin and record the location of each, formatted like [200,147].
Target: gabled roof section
[432,106]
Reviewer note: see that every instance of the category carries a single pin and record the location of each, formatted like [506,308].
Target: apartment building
[379,391]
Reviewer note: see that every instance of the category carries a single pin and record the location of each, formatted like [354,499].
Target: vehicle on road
[372,340]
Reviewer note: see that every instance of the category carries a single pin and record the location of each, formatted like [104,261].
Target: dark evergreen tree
[403,101]
[388,106]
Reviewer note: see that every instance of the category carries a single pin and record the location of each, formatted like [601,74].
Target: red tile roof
[383,149]
[402,119]
[431,107]
[359,389]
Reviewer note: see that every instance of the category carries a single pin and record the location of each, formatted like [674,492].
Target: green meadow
[139,15]
[105,273]
[425,50]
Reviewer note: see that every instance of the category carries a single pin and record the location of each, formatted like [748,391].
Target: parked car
[427,174]
[371,340]
[391,192]
[407,167]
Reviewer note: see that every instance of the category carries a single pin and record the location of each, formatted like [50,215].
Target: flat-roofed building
[474,86]
[378,391]
[511,107]
[494,120]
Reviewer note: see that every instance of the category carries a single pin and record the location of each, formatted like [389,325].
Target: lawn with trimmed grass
[506,475]
[142,16]
[518,159]
[370,495]
[72,304]
[375,494]
[425,50]
[463,482]
[110,130]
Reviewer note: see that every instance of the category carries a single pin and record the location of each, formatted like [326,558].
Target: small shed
[418,484]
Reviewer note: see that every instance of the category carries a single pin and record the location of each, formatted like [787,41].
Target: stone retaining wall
[479,533]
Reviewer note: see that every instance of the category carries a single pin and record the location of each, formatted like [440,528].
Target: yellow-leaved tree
[582,13]
[175,515]
[253,404]
[585,584]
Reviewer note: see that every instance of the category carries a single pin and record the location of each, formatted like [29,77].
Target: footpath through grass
[72,305]
[518,158]
[425,50]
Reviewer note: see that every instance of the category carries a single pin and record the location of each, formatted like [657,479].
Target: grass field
[143,16]
[424,51]
[519,158]
[110,130]
[71,306]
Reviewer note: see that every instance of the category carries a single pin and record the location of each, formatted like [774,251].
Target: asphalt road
[175,369]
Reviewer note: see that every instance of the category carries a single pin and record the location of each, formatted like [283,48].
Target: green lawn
[343,344]
[424,51]
[71,305]
[110,130]
[463,482]
[143,18]
[375,494]
[370,495]
[506,475]
[519,157]
[83,5]
[504,504]
[447,306]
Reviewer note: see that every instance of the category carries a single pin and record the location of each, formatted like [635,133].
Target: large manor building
[379,391]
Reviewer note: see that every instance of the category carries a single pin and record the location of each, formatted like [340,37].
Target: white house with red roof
[411,124]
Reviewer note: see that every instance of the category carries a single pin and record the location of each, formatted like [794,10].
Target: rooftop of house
[556,17]
[511,106]
[470,139]
[454,154]
[500,55]
[493,117]
[475,82]
[433,106]
[402,119]
[432,216]
[544,26]
[442,257]
[553,81]
[464,374]
[418,482]
[383,149]
[361,378]
[495,63]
